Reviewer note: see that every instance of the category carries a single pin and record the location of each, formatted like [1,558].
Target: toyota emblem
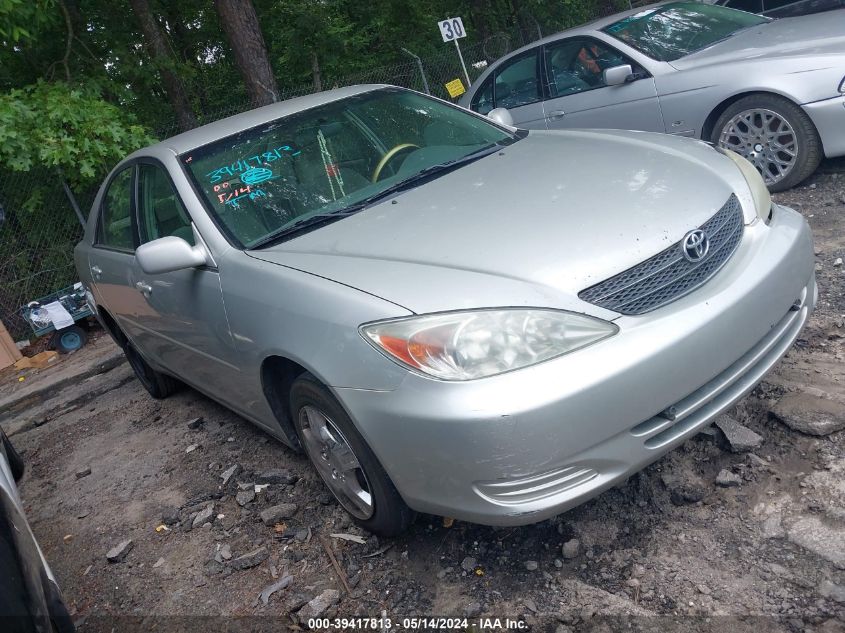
[695,246]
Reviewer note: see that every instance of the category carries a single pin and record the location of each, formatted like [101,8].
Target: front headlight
[759,191]
[480,343]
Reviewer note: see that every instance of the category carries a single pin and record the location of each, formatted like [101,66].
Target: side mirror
[167,254]
[617,75]
[501,116]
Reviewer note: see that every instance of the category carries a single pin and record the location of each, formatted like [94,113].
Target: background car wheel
[774,134]
[69,339]
[344,461]
[159,385]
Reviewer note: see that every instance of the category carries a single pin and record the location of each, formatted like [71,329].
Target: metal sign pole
[463,65]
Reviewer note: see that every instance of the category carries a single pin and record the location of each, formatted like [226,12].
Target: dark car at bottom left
[30,600]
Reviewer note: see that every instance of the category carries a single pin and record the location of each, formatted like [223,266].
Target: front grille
[669,275]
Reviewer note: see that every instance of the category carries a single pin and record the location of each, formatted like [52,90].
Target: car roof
[217,130]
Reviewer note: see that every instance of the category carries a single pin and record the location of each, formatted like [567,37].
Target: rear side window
[115,227]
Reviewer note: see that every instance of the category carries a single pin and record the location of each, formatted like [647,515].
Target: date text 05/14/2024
[417,623]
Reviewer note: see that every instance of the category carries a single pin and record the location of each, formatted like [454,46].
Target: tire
[69,339]
[389,516]
[157,384]
[728,133]
[16,463]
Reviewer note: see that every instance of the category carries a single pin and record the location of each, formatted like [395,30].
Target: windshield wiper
[411,182]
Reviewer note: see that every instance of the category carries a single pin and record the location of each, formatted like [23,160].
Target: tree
[165,64]
[240,23]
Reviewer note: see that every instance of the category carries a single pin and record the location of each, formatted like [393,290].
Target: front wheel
[774,134]
[344,461]
[157,384]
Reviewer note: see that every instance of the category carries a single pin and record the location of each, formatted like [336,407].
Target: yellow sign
[455,88]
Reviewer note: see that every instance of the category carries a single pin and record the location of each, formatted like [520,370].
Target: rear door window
[115,229]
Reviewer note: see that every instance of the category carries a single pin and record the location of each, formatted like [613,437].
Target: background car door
[578,96]
[515,85]
[113,254]
[185,329]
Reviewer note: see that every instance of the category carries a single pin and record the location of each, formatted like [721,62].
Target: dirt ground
[762,550]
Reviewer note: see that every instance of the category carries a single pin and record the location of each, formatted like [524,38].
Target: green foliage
[57,125]
[17,17]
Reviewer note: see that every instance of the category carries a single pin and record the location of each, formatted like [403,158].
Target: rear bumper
[829,118]
[524,446]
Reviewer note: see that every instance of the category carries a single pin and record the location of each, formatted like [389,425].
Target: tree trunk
[240,22]
[315,72]
[160,54]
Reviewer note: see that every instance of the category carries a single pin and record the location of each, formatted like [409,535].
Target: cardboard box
[9,353]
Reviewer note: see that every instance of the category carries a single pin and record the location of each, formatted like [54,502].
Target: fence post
[422,70]
[71,198]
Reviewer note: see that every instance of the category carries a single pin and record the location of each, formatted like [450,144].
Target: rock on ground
[812,534]
[727,479]
[230,472]
[740,438]
[278,513]
[684,487]
[319,605]
[251,559]
[810,414]
[203,517]
[245,496]
[571,548]
[119,551]
[828,589]
[276,476]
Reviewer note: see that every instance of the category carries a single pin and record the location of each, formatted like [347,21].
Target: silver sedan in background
[772,91]
[446,314]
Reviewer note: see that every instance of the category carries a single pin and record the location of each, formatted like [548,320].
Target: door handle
[554,115]
[96,271]
[145,289]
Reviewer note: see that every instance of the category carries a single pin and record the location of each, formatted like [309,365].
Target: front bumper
[829,118]
[521,447]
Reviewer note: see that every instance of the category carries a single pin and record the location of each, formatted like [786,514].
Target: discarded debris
[83,473]
[269,590]
[192,448]
[378,552]
[340,573]
[448,522]
[162,528]
[319,605]
[276,476]
[350,537]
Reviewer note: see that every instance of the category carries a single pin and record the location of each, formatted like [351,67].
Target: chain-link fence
[39,225]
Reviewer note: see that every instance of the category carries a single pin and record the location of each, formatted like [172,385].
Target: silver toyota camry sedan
[448,315]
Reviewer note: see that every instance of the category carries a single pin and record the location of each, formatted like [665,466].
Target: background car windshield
[674,30]
[327,158]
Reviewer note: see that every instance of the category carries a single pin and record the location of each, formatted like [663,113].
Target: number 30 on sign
[452,29]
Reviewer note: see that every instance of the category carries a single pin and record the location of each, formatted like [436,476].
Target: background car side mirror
[168,254]
[501,116]
[617,75]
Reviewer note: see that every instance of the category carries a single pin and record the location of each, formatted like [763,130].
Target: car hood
[816,37]
[531,225]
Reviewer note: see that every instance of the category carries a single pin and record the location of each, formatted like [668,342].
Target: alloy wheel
[766,139]
[336,462]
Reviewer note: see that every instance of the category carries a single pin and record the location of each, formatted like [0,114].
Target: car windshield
[671,31]
[319,164]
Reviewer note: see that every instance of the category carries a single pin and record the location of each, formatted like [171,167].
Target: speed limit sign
[452,29]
